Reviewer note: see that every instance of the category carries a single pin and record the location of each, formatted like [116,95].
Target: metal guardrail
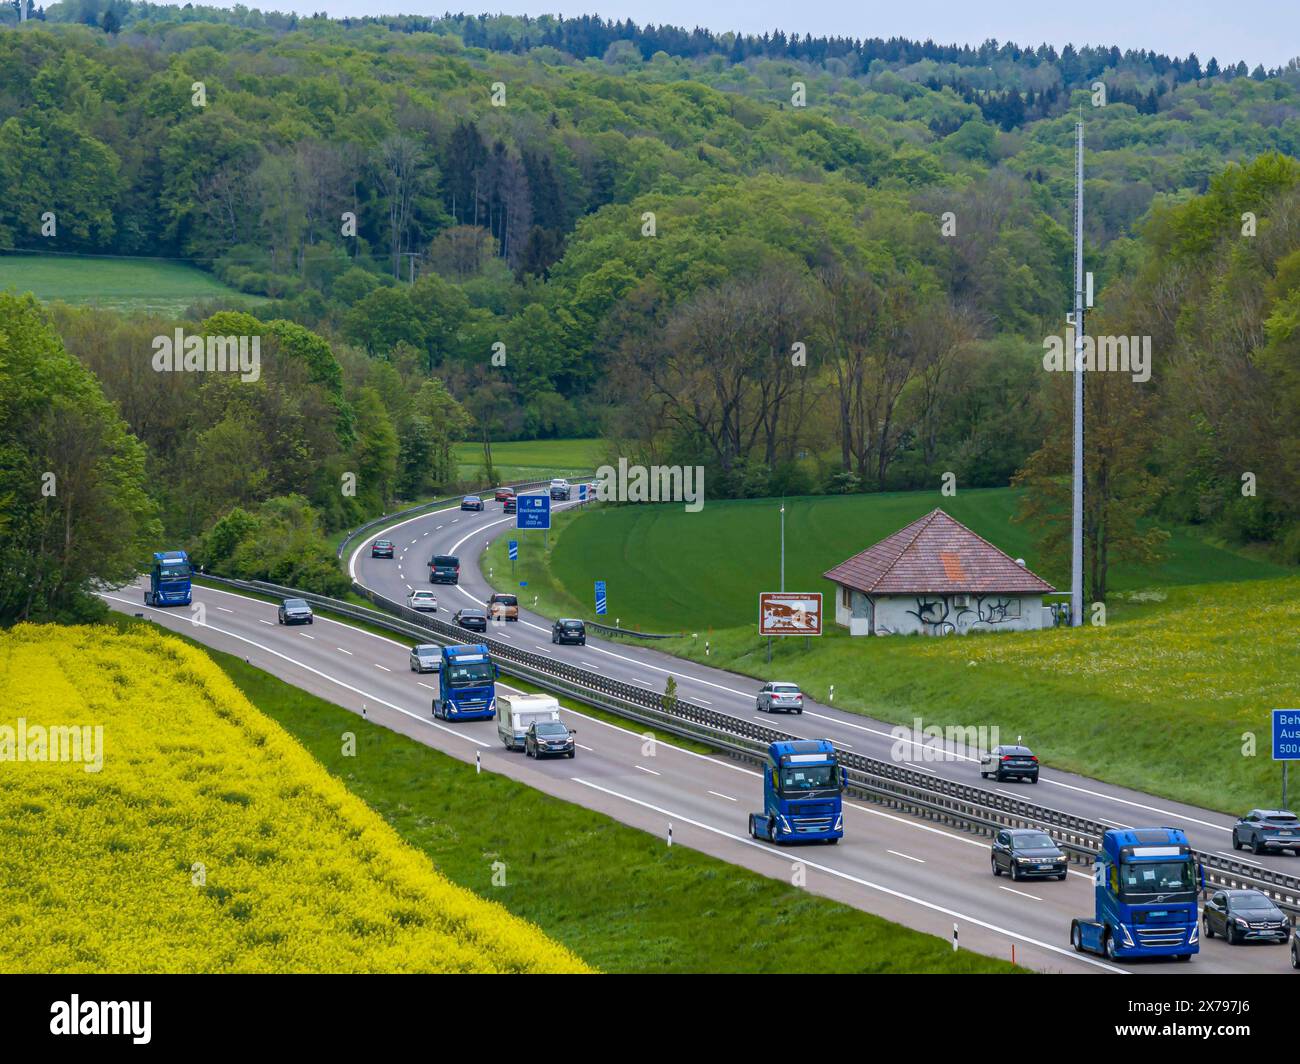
[892,785]
[613,629]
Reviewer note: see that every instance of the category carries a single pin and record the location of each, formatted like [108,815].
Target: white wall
[942,614]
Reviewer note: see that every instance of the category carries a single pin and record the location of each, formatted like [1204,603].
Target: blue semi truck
[802,786]
[466,684]
[169,579]
[1145,883]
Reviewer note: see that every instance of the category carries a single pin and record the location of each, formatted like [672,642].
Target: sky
[1258,31]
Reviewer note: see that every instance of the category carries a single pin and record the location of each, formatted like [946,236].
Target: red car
[504,493]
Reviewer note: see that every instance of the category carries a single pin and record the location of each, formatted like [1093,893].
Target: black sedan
[549,738]
[1245,916]
[294,611]
[569,630]
[381,548]
[1267,831]
[471,502]
[1010,762]
[472,618]
[510,506]
[1026,852]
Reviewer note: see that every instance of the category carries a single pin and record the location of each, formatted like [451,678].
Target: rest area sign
[1286,735]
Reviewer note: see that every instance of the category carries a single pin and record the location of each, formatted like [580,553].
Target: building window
[846,597]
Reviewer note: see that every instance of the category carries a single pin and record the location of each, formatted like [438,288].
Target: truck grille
[1162,936]
[808,825]
[470,704]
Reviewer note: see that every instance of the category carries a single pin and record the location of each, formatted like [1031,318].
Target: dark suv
[444,569]
[1009,762]
[1245,916]
[1027,852]
[1266,830]
[294,611]
[549,738]
[569,630]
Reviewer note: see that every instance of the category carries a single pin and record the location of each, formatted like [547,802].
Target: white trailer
[516,712]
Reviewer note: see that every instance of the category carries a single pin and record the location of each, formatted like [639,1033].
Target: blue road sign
[1286,735]
[582,492]
[533,511]
[600,597]
[514,549]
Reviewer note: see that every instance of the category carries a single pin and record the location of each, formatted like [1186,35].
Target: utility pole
[782,544]
[1076,528]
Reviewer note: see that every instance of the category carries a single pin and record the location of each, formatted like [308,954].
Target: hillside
[229,845]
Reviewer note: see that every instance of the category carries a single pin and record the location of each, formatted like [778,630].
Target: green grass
[667,569]
[1160,699]
[617,896]
[115,284]
[530,459]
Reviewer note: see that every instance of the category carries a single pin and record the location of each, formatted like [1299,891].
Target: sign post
[514,555]
[602,603]
[1286,741]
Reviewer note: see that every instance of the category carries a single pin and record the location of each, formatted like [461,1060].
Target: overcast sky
[1258,31]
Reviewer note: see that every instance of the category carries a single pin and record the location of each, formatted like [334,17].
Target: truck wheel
[1076,937]
[1184,956]
[1109,945]
[832,842]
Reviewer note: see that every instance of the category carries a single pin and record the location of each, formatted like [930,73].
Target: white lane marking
[590,665]
[414,542]
[1135,805]
[1009,890]
[423,684]
[637,679]
[263,620]
[384,667]
[306,636]
[224,610]
[908,856]
[704,701]
[423,534]
[934,906]
[352,562]
[649,770]
[325,676]
[719,794]
[347,652]
[544,650]
[587,748]
[887,734]
[1238,857]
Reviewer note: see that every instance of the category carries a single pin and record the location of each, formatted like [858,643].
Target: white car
[425,601]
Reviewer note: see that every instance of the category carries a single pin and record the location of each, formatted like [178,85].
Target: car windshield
[1251,903]
[382,543]
[1039,841]
[444,559]
[472,675]
[426,652]
[572,626]
[551,729]
[423,596]
[1145,878]
[795,778]
[469,615]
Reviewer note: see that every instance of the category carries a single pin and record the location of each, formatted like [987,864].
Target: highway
[915,873]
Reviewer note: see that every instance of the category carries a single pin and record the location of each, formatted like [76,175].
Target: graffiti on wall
[940,615]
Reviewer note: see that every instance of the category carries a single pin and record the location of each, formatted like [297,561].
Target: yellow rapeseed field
[209,840]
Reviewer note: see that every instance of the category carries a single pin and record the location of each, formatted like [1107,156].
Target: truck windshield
[474,675]
[797,778]
[174,571]
[1149,878]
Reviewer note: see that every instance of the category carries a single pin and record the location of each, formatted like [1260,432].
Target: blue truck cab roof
[467,650]
[170,556]
[1145,844]
[807,750]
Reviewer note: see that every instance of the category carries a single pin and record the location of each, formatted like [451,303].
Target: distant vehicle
[504,494]
[569,630]
[783,696]
[426,657]
[560,489]
[549,738]
[169,579]
[294,611]
[1027,852]
[1145,882]
[444,569]
[802,801]
[471,618]
[471,502]
[1009,762]
[424,601]
[1245,916]
[503,607]
[381,548]
[510,506]
[516,713]
[1264,830]
[466,684]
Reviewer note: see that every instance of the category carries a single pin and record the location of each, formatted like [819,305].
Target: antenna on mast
[1076,524]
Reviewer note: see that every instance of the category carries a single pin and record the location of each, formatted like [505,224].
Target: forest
[810,265]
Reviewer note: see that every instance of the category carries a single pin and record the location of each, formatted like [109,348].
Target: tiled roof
[936,555]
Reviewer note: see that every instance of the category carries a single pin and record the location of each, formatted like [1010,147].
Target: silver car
[426,657]
[785,697]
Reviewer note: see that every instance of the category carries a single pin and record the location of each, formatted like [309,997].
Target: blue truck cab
[466,684]
[169,579]
[802,785]
[1145,884]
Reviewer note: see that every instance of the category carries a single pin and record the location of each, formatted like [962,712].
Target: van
[503,607]
[444,569]
[516,712]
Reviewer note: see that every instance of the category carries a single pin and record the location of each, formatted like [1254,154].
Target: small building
[935,577]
